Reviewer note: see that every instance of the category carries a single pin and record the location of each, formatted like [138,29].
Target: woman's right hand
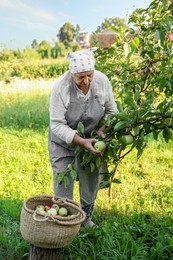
[87,143]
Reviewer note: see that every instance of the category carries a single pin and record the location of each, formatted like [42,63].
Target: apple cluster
[54,210]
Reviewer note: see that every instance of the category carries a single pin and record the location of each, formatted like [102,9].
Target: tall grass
[137,225]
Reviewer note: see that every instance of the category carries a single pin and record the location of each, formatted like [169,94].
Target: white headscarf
[81,61]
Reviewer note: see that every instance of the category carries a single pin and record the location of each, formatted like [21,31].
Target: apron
[89,112]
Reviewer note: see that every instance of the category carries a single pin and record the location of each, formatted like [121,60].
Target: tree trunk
[38,253]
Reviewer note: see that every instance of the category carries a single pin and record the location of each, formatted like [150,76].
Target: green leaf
[135,42]
[129,100]
[140,147]
[135,130]
[66,181]
[161,37]
[80,128]
[122,116]
[92,165]
[119,106]
[116,181]
[128,50]
[70,167]
[73,174]
[167,134]
[137,95]
[61,177]
[161,105]
[120,125]
[86,158]
[77,149]
[155,135]
[109,119]
[98,161]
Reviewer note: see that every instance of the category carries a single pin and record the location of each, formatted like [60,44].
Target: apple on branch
[100,146]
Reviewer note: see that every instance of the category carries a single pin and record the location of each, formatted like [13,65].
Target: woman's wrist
[78,140]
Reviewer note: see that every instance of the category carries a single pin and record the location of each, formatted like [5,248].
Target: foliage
[7,55]
[32,68]
[59,50]
[44,49]
[67,34]
[34,44]
[27,54]
[142,80]
[112,22]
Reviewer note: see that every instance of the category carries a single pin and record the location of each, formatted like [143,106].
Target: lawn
[137,225]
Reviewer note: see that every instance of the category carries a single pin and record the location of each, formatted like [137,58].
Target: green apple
[39,208]
[42,212]
[63,211]
[56,206]
[52,212]
[100,146]
[126,139]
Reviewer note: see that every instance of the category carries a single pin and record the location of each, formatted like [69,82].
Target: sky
[22,21]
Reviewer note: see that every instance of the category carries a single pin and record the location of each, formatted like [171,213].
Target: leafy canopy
[139,64]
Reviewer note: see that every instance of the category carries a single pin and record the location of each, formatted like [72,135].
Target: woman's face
[83,79]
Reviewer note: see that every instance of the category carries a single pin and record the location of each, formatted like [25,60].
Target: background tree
[68,33]
[29,53]
[34,44]
[44,49]
[112,22]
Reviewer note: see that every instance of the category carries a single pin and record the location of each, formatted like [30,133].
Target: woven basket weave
[48,231]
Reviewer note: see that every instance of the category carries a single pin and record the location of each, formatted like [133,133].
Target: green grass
[137,225]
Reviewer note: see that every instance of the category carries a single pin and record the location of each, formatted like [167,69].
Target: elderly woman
[82,94]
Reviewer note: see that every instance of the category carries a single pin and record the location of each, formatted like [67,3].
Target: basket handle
[68,223]
[46,217]
[51,218]
[57,199]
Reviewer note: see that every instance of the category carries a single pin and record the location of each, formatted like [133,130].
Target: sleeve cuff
[70,136]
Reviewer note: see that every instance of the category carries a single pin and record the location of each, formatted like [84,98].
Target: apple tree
[141,72]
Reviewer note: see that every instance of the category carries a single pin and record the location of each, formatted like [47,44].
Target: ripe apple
[170,36]
[52,212]
[39,208]
[126,139]
[47,208]
[55,206]
[63,211]
[100,146]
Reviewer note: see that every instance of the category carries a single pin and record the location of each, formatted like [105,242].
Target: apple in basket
[52,211]
[63,211]
[40,209]
[46,208]
[56,206]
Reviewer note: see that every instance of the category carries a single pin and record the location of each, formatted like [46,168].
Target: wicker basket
[48,231]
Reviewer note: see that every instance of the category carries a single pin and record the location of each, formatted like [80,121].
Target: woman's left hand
[101,130]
